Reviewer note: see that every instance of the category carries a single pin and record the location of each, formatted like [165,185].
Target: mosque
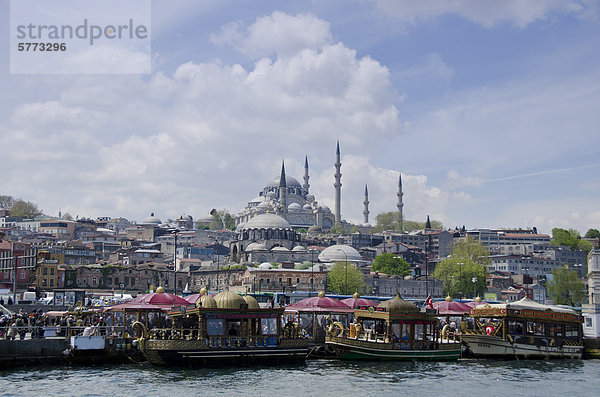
[267,226]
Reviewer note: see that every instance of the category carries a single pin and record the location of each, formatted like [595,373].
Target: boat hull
[190,353]
[350,349]
[490,346]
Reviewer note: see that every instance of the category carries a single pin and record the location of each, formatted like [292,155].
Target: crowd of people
[18,325]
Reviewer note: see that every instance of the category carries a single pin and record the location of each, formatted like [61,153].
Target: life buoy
[489,330]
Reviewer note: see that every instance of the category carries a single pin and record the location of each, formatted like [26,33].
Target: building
[16,258]
[436,242]
[266,278]
[386,285]
[521,264]
[591,310]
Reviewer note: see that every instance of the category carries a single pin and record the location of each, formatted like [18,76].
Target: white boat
[524,329]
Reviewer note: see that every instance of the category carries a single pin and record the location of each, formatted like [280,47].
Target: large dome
[267,221]
[151,220]
[289,181]
[340,253]
[229,300]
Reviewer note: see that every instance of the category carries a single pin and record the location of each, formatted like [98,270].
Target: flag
[429,301]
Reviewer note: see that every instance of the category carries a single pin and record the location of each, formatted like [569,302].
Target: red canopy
[353,302]
[162,299]
[319,304]
[451,308]
[134,306]
[473,304]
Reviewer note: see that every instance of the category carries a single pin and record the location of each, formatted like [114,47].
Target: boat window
[534,328]
[418,331]
[406,331]
[555,330]
[215,326]
[268,326]
[396,329]
[571,330]
[306,322]
[515,328]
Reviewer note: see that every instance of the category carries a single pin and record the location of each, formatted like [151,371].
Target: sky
[489,109]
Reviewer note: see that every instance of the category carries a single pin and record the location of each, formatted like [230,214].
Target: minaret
[400,204]
[428,223]
[366,203]
[282,191]
[306,185]
[338,186]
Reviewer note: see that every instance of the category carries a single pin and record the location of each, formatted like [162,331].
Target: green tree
[393,221]
[6,202]
[565,287]
[345,278]
[570,238]
[24,209]
[592,233]
[466,263]
[68,217]
[390,264]
[222,219]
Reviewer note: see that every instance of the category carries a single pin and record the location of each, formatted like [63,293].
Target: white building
[591,310]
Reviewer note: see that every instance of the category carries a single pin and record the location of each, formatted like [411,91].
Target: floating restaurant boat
[225,330]
[394,330]
[524,329]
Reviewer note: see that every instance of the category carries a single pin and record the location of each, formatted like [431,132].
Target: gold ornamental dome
[321,294]
[206,301]
[478,299]
[229,300]
[160,290]
[397,305]
[356,295]
[252,302]
[203,291]
[448,298]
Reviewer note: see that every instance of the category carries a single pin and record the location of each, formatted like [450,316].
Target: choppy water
[316,377]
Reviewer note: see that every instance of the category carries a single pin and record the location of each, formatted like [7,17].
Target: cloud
[488,13]
[279,33]
[208,135]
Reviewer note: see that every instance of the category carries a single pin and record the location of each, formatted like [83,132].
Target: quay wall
[32,351]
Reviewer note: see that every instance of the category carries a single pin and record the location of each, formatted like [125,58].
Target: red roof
[161,299]
[451,308]
[353,302]
[320,304]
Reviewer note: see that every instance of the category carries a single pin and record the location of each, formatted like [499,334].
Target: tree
[570,238]
[390,264]
[222,219]
[345,278]
[592,233]
[394,222]
[68,217]
[465,264]
[24,209]
[6,202]
[565,287]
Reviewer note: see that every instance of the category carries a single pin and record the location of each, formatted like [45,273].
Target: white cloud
[488,13]
[278,33]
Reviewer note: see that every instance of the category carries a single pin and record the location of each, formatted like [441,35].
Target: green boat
[395,330]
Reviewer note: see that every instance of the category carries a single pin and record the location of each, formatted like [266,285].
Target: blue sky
[488,108]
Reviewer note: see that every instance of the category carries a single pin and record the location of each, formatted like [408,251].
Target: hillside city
[268,254]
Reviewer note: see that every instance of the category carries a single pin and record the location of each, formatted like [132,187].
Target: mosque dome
[206,301]
[151,220]
[252,302]
[239,227]
[397,305]
[340,253]
[229,300]
[294,207]
[265,266]
[255,247]
[310,198]
[325,208]
[280,249]
[299,248]
[289,182]
[263,204]
[306,207]
[267,221]
[257,199]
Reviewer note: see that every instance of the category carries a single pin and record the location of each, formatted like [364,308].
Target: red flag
[429,301]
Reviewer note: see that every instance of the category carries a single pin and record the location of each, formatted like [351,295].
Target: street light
[346,269]
[460,265]
[426,269]
[474,280]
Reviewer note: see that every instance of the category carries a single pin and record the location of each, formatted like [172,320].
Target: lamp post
[346,270]
[474,280]
[460,265]
[175,263]
[312,270]
[426,269]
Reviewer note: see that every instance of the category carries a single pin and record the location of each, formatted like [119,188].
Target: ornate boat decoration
[225,330]
[394,330]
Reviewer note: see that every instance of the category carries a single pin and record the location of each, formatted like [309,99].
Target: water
[484,378]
